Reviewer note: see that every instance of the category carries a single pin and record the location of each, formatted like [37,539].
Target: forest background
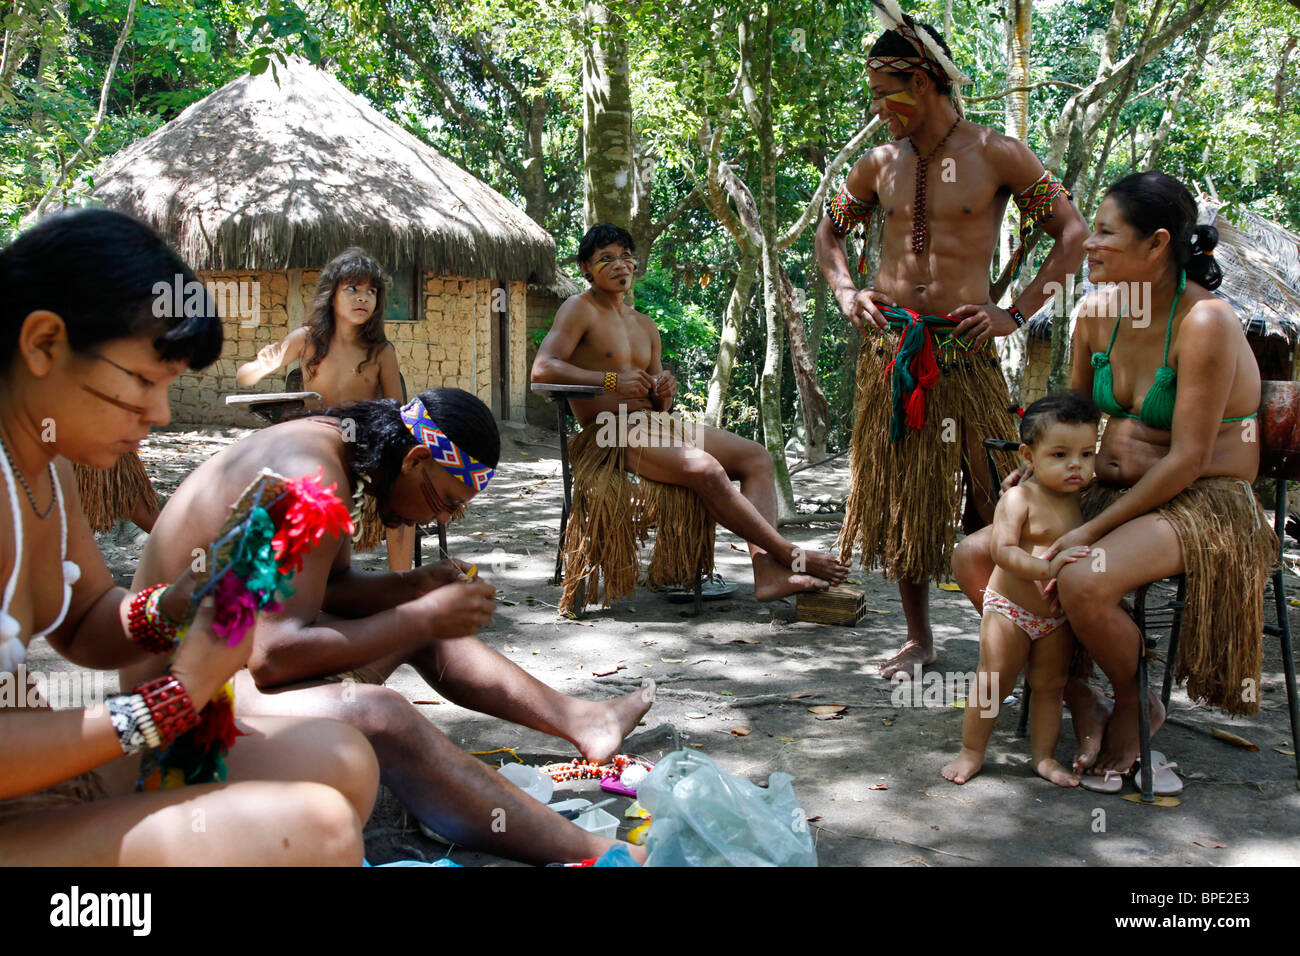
[714,132]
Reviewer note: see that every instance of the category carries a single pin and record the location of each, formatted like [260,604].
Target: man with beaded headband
[929,384]
[337,638]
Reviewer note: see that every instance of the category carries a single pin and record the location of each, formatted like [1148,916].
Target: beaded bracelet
[148,626]
[124,711]
[611,381]
[169,706]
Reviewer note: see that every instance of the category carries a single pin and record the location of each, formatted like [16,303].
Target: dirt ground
[869,780]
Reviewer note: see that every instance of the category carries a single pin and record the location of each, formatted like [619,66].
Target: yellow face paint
[903,105]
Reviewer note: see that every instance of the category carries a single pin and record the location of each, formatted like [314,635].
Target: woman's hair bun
[1203,239]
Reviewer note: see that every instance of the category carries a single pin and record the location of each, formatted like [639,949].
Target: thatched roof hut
[260,175]
[260,184]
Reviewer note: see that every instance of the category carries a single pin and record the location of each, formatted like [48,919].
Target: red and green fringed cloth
[916,365]
[275,522]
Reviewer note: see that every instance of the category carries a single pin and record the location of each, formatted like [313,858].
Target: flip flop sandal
[1166,783]
[1110,781]
[714,589]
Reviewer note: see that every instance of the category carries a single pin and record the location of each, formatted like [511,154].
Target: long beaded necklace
[920,227]
[28,488]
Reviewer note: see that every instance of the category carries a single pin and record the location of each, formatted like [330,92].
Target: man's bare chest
[955,189]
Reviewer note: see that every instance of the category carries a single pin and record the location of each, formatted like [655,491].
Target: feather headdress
[929,55]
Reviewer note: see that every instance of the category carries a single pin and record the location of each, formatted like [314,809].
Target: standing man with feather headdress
[929,384]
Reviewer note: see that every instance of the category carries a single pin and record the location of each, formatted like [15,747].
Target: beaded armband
[611,381]
[847,211]
[170,707]
[1035,205]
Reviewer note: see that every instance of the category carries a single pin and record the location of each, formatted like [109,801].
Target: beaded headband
[473,473]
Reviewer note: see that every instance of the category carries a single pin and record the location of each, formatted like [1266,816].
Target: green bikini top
[1158,403]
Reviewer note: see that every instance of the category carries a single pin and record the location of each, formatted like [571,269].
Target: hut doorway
[500,322]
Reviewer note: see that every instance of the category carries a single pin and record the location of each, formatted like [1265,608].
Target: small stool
[560,395]
[272,407]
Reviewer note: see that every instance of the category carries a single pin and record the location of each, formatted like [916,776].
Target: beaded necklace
[920,228]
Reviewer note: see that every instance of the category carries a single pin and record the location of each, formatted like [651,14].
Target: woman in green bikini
[1172,492]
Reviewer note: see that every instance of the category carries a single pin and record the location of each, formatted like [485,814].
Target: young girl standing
[345,357]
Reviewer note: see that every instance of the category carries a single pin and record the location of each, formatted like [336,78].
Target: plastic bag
[703,816]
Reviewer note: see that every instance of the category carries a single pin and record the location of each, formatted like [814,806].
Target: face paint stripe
[137,409]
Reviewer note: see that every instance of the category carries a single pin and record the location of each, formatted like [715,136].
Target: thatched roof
[1260,262]
[265,176]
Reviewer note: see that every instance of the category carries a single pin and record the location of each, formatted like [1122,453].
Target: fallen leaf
[426,702]
[946,586]
[1284,752]
[1159,801]
[959,703]
[727,693]
[738,548]
[911,859]
[609,669]
[507,602]
[800,696]
[697,716]
[886,721]
[477,534]
[673,660]
[525,453]
[788,740]
[744,640]
[1233,739]
[812,819]
[827,709]
[1210,845]
[878,610]
[877,786]
[740,731]
[696,746]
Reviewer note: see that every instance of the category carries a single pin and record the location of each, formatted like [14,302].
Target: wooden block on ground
[835,605]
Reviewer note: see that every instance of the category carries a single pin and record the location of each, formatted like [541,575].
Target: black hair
[893,43]
[1065,408]
[604,234]
[1151,201]
[350,265]
[103,273]
[381,439]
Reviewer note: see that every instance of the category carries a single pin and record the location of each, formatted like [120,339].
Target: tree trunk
[770,384]
[1016,105]
[720,380]
[609,173]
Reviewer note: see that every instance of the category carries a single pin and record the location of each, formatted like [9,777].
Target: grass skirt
[905,500]
[1228,549]
[109,495]
[613,513]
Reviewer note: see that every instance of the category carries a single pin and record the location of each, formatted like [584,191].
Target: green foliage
[686,331]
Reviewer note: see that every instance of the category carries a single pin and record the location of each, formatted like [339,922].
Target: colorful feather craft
[272,526]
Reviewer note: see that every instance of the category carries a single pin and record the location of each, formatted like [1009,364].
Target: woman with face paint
[1168,362]
[86,367]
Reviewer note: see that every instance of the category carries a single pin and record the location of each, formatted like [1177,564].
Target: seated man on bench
[597,339]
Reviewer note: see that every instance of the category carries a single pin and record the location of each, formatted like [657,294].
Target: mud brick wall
[450,345]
